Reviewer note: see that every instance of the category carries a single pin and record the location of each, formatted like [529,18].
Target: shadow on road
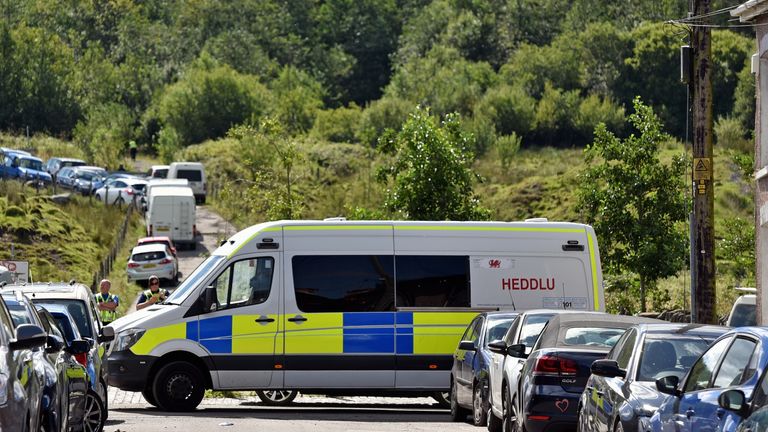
[313,411]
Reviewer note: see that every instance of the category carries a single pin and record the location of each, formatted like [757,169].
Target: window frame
[230,280]
[742,379]
[729,341]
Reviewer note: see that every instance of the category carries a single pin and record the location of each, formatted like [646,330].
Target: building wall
[761,160]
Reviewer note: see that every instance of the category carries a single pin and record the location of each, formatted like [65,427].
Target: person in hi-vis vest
[153,295]
[107,302]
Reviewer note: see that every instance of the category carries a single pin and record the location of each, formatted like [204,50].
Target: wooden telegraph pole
[703,185]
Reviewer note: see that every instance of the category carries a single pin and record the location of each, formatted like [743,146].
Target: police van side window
[344,283]
[432,281]
[244,283]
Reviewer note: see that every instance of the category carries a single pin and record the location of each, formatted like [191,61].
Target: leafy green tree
[744,100]
[507,147]
[731,53]
[534,66]
[600,49]
[737,247]
[431,176]
[509,108]
[381,115]
[338,125]
[635,202]
[555,116]
[298,98]
[594,110]
[104,133]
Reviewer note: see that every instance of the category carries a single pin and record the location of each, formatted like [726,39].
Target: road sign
[19,270]
[702,168]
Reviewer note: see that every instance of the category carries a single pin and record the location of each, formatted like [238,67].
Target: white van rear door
[185,219]
[161,218]
[528,282]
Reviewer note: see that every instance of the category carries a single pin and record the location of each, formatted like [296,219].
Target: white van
[192,171]
[160,183]
[343,307]
[172,214]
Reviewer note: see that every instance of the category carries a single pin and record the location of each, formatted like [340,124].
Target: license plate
[150,265]
[163,228]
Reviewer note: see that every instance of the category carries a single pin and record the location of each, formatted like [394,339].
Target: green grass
[125,290]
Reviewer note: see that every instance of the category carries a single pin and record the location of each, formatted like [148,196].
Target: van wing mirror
[28,336]
[53,344]
[107,334]
[210,304]
[79,346]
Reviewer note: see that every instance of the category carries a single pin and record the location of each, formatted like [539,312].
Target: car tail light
[194,230]
[150,230]
[132,265]
[82,358]
[129,191]
[554,365]
[165,261]
[538,418]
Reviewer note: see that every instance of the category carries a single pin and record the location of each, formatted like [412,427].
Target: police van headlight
[127,338]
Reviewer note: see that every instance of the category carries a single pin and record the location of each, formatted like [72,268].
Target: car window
[19,315]
[733,370]
[592,336]
[120,184]
[470,329]
[476,330]
[761,393]
[510,335]
[497,329]
[743,314]
[664,355]
[624,355]
[532,328]
[245,282]
[702,370]
[76,309]
[148,256]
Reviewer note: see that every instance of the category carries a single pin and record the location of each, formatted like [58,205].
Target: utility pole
[703,185]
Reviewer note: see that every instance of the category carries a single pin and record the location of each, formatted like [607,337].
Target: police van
[346,307]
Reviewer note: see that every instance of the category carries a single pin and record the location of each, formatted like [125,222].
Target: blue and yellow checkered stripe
[323,333]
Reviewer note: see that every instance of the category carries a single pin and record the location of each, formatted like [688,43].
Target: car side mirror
[53,344]
[467,345]
[668,385]
[732,400]
[79,346]
[517,350]
[607,368]
[210,304]
[498,347]
[107,334]
[28,336]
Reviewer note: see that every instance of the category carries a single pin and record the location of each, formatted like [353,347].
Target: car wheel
[443,399]
[178,386]
[515,423]
[479,406]
[149,397]
[120,201]
[97,197]
[277,397]
[494,423]
[619,427]
[458,414]
[93,413]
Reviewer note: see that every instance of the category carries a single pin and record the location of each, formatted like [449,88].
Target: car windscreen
[148,256]
[31,164]
[190,283]
[604,337]
[74,308]
[743,314]
[88,175]
[532,328]
[497,329]
[191,175]
[161,173]
[666,355]
[72,163]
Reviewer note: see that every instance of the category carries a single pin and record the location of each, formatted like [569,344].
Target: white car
[744,310]
[152,259]
[121,190]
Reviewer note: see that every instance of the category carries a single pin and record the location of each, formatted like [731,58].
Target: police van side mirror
[107,334]
[210,304]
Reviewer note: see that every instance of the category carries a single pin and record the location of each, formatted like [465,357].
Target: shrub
[338,125]
[104,134]
[594,110]
[386,113]
[509,108]
[555,114]
[507,147]
[730,133]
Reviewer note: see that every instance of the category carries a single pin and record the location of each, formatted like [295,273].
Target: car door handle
[263,319]
[599,393]
[690,412]
[297,318]
[720,412]
[589,388]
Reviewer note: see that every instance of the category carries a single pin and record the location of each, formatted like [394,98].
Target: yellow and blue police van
[346,307]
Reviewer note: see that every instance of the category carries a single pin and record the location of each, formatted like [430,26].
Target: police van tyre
[178,386]
[149,396]
[443,399]
[93,415]
[277,397]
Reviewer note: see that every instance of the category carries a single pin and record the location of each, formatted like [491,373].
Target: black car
[471,364]
[555,373]
[21,393]
[69,359]
[622,393]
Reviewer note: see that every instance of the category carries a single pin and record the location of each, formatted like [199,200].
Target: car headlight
[127,338]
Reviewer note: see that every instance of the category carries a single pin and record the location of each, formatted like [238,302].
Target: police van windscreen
[190,283]
[191,175]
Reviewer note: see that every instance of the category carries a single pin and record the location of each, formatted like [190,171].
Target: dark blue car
[621,393]
[471,364]
[722,387]
[24,167]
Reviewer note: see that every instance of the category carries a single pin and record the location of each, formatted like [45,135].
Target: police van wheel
[277,397]
[443,399]
[149,397]
[178,386]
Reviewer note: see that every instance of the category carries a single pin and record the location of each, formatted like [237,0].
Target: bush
[104,134]
[386,113]
[555,114]
[298,98]
[730,133]
[168,143]
[509,108]
[338,125]
[483,133]
[594,110]
[507,147]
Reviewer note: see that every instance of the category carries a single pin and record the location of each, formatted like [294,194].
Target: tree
[635,202]
[431,175]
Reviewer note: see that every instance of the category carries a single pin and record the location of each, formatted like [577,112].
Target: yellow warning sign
[702,168]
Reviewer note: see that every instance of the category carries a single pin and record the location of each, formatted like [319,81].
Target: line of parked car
[547,370]
[52,373]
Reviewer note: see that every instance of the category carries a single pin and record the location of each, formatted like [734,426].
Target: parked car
[158,171]
[120,190]
[72,357]
[158,240]
[25,168]
[94,408]
[505,369]
[471,365]
[719,391]
[80,304]
[152,259]
[86,180]
[621,393]
[744,310]
[194,173]
[555,373]
[54,164]
[21,394]
[64,380]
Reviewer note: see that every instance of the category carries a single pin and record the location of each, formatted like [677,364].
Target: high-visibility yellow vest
[107,315]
